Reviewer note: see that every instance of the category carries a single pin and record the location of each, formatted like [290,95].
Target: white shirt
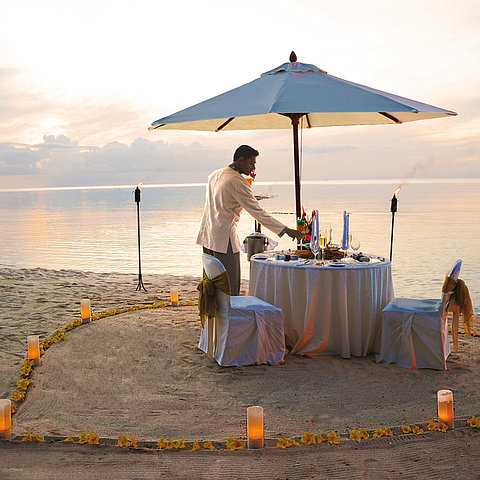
[228,193]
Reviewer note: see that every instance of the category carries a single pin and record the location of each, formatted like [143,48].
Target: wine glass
[354,243]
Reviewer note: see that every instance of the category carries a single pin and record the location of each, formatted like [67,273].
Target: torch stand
[140,281]
[393,209]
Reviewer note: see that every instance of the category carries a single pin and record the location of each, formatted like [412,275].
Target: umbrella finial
[293,57]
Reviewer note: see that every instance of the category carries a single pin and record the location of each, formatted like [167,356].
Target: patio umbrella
[282,96]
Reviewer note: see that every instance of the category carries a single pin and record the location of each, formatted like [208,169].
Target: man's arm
[244,196]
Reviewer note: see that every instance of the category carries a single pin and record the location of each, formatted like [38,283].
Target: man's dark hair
[245,151]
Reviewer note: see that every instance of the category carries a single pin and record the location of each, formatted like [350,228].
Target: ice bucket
[255,244]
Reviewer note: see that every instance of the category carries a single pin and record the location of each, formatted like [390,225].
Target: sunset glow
[76,107]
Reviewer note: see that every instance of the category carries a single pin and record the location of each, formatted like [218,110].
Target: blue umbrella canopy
[280,97]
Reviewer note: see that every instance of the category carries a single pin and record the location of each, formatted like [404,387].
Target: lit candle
[174,297]
[85,310]
[255,433]
[33,348]
[5,417]
[445,407]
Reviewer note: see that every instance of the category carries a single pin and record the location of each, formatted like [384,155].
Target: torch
[137,200]
[393,209]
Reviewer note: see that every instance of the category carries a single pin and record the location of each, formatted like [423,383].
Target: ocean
[95,228]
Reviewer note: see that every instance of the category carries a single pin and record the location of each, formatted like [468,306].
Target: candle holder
[33,349]
[445,407]
[85,310]
[174,297]
[255,427]
[5,417]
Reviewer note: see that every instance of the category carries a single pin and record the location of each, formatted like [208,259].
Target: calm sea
[95,229]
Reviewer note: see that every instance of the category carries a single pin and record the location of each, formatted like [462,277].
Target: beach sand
[140,373]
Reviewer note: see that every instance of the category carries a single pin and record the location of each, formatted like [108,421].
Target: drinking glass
[354,243]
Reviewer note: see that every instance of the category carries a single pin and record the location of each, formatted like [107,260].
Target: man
[228,194]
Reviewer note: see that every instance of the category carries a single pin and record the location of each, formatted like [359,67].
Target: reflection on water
[96,229]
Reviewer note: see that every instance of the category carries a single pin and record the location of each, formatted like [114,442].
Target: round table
[328,308]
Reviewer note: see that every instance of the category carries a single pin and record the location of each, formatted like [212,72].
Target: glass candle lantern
[5,417]
[85,310]
[33,348]
[445,407]
[255,430]
[174,297]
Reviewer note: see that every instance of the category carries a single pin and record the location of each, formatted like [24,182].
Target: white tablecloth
[326,309]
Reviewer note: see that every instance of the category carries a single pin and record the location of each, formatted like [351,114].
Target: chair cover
[246,330]
[414,333]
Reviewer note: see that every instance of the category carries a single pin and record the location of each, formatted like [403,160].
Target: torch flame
[140,183]
[396,191]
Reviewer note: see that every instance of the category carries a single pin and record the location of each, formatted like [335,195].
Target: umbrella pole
[296,159]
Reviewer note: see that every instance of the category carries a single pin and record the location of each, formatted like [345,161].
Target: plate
[261,257]
[337,265]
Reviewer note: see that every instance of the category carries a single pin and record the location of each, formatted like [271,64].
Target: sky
[80,82]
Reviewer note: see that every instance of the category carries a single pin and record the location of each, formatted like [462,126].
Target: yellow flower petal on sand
[417,430]
[132,442]
[235,444]
[388,432]
[333,438]
[406,428]
[308,438]
[287,443]
[122,441]
[355,435]
[442,427]
[39,438]
[431,426]
[179,445]
[378,432]
[13,409]
[18,396]
[321,438]
[195,448]
[93,438]
[474,422]
[208,445]
[28,437]
[364,433]
[23,384]
[82,438]
[70,439]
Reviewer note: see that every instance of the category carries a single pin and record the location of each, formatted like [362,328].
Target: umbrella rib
[391,117]
[309,125]
[154,127]
[224,124]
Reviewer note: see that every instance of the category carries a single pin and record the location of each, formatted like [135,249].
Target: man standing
[228,194]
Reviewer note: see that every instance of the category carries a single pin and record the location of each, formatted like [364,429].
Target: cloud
[66,162]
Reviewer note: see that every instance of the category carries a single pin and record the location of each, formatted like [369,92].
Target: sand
[140,373]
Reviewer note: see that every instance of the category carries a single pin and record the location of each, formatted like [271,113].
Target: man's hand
[294,234]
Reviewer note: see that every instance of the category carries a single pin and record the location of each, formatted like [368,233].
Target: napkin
[346,231]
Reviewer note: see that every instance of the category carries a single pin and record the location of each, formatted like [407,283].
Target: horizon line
[371,181]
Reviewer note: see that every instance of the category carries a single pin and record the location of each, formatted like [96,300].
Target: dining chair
[245,330]
[415,332]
